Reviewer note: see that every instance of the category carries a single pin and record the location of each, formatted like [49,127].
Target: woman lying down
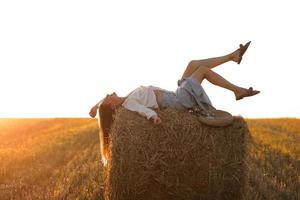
[189,93]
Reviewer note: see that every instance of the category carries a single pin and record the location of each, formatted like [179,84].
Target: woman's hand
[156,120]
[93,111]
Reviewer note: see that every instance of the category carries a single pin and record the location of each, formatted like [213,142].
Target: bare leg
[216,79]
[210,63]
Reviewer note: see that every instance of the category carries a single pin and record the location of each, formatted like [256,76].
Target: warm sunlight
[58,58]
[226,130]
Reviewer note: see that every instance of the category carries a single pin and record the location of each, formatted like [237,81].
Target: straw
[178,159]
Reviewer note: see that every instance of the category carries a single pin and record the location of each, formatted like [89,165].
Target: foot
[237,55]
[242,92]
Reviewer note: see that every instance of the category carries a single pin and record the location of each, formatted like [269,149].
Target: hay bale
[179,159]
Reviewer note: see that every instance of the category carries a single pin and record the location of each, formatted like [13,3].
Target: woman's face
[112,100]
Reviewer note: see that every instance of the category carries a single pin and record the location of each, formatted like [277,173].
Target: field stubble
[59,159]
[50,159]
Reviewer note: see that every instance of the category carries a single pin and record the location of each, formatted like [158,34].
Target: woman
[188,94]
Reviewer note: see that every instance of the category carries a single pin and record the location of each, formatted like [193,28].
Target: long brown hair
[105,121]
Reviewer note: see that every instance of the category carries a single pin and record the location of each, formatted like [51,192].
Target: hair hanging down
[105,121]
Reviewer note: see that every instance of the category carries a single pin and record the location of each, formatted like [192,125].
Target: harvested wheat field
[60,159]
[49,159]
[179,159]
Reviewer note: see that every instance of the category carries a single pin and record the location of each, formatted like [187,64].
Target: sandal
[243,49]
[250,92]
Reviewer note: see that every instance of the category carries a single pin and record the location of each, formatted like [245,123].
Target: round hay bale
[178,159]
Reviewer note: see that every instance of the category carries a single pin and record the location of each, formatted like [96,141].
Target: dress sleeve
[133,105]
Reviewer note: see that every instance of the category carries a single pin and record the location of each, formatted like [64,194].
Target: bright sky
[59,57]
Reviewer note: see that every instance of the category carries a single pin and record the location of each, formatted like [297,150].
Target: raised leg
[216,79]
[210,63]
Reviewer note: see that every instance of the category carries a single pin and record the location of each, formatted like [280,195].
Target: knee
[196,64]
[192,62]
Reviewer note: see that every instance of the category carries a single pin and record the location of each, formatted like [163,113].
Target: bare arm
[93,111]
